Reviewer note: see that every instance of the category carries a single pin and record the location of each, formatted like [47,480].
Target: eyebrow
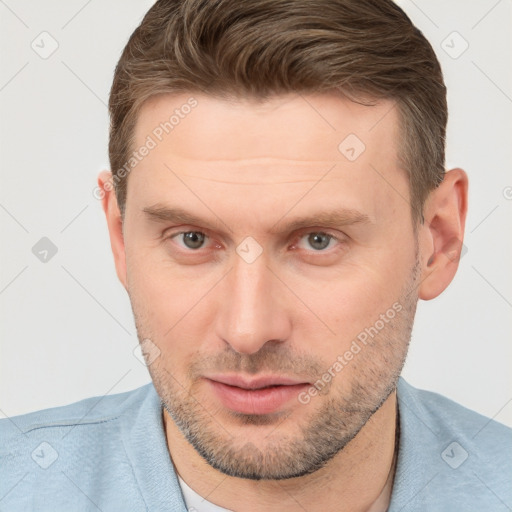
[331,218]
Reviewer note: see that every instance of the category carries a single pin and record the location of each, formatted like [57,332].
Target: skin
[249,168]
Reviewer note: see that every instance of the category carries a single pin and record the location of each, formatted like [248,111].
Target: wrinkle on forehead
[290,127]
[221,145]
[243,171]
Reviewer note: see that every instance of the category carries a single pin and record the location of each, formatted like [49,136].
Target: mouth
[260,395]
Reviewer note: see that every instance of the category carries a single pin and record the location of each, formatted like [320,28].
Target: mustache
[271,358]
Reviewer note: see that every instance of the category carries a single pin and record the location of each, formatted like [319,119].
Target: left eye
[318,241]
[191,239]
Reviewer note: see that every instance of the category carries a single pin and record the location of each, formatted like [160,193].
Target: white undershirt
[195,502]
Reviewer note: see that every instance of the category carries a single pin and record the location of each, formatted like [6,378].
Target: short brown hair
[258,48]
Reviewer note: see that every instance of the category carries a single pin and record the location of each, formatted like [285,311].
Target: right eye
[192,240]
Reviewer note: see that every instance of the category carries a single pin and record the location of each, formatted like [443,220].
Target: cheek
[148,287]
[344,303]
[170,306]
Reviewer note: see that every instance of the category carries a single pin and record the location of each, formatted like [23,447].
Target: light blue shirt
[110,454]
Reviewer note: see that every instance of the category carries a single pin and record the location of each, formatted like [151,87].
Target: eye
[191,239]
[317,240]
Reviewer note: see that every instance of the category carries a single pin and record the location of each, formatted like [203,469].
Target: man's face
[246,307]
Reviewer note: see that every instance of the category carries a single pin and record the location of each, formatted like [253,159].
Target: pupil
[193,239]
[319,240]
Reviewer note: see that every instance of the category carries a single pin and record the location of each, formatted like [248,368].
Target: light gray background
[66,325]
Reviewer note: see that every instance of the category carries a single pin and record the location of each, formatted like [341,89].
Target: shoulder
[90,411]
[462,432]
[444,415]
[65,457]
[450,457]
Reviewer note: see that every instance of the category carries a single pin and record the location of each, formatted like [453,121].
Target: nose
[252,311]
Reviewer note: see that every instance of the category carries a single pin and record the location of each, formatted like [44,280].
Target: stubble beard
[321,434]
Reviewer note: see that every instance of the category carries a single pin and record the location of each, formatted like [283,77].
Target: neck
[359,478]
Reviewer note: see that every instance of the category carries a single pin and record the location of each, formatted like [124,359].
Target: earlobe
[114,223]
[442,233]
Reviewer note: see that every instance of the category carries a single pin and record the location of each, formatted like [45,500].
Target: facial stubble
[222,440]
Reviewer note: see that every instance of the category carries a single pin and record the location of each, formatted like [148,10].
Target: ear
[442,233]
[114,222]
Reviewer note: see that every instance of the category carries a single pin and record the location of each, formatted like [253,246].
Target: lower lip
[255,401]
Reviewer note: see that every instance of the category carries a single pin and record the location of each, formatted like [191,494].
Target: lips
[259,395]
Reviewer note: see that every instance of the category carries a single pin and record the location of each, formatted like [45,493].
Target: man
[278,205]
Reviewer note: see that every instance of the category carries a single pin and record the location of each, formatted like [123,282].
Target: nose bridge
[251,313]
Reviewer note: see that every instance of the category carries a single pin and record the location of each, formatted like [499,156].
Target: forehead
[256,159]
[294,127]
